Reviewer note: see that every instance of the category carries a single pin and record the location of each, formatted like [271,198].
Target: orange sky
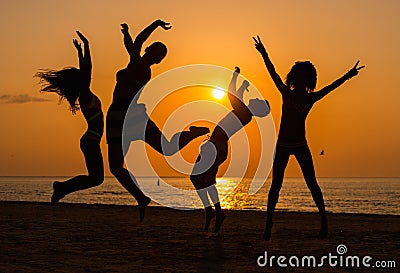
[357,125]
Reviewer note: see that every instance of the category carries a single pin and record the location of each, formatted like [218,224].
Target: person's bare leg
[116,161]
[278,170]
[210,212]
[94,164]
[220,215]
[155,138]
[307,167]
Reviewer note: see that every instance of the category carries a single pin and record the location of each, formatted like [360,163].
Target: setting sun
[218,93]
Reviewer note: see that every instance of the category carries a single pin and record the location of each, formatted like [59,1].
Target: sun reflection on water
[234,194]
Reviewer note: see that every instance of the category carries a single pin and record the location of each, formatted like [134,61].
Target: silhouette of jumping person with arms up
[298,98]
[73,84]
[215,151]
[130,80]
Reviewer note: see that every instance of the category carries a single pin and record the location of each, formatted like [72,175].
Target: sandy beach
[37,237]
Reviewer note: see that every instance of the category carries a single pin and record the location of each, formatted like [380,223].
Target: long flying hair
[65,83]
[302,74]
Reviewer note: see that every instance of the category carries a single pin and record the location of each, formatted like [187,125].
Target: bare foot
[210,214]
[198,131]
[57,193]
[142,207]
[219,220]
[267,232]
[323,233]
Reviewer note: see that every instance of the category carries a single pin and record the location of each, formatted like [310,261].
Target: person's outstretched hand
[237,69]
[164,25]
[246,85]
[77,44]
[354,71]
[259,45]
[124,27]
[83,38]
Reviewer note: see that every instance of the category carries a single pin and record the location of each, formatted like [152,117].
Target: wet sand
[37,237]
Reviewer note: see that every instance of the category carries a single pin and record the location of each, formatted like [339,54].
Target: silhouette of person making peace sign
[298,98]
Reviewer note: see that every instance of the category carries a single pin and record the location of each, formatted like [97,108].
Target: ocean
[342,195]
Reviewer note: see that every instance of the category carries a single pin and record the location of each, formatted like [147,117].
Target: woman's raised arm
[329,88]
[270,67]
[134,47]
[85,60]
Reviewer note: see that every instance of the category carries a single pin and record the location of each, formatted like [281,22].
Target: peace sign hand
[354,71]
[259,45]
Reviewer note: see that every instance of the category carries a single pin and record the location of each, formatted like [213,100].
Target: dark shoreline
[61,204]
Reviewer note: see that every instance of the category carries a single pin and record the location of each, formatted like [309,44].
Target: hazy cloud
[21,98]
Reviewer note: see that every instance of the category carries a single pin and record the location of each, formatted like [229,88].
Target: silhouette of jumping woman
[298,98]
[130,80]
[73,84]
[215,151]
